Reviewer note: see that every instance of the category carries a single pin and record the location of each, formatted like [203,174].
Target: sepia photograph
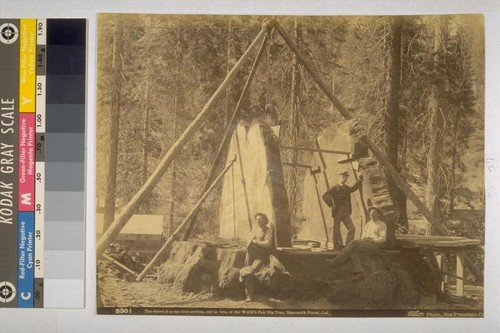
[301,166]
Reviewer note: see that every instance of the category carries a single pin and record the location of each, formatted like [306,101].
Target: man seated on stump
[259,247]
[373,236]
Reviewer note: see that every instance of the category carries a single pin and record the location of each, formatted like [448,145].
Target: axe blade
[315,171]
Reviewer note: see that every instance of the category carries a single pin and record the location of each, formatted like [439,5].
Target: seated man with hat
[259,247]
[373,236]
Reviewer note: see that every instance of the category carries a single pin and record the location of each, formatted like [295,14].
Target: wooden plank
[433,242]
[433,238]
[133,204]
[462,243]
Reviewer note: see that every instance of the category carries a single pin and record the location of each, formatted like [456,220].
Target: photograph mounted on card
[290,166]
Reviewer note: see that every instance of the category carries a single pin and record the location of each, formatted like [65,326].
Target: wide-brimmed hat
[377,208]
[263,215]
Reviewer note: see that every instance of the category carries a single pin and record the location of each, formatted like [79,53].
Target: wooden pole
[155,177]
[305,166]
[361,197]
[323,163]
[243,182]
[229,130]
[176,233]
[297,165]
[323,219]
[327,151]
[119,264]
[373,148]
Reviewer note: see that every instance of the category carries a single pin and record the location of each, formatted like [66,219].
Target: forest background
[415,83]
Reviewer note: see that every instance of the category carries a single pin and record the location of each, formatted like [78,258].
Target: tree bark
[392,120]
[294,125]
[227,115]
[436,128]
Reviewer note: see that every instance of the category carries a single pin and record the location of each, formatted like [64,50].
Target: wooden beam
[162,167]
[243,182]
[229,130]
[402,184]
[323,163]
[326,151]
[320,206]
[119,264]
[360,190]
[176,234]
[305,166]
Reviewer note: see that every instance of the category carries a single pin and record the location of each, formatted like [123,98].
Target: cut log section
[261,184]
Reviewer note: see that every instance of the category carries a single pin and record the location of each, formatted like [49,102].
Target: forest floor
[116,292]
[119,290]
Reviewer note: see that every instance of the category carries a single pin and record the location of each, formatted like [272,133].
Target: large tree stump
[271,279]
[192,267]
[231,261]
[392,279]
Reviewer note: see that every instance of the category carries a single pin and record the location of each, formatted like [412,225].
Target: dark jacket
[339,197]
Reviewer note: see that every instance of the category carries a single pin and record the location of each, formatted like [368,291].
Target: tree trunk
[392,112]
[436,127]
[227,116]
[454,157]
[294,126]
[110,198]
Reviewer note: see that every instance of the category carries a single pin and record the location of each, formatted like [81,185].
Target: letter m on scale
[26,199]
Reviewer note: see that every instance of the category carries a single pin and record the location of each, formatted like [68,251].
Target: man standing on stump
[338,198]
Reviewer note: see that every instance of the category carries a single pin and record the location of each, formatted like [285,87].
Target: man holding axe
[338,198]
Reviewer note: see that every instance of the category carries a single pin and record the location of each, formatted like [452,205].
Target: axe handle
[323,219]
[323,163]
